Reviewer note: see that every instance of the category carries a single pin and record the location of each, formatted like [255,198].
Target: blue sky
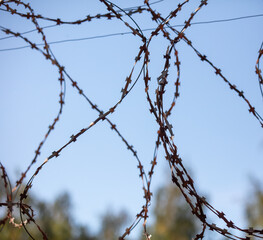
[219,141]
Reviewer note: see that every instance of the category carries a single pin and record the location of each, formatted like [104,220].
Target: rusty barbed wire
[180,176]
[258,70]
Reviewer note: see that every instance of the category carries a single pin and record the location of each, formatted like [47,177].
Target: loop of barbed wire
[180,176]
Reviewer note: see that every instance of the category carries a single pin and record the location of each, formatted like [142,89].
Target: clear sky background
[218,140]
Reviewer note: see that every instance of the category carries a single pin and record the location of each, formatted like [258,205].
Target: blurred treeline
[173,218]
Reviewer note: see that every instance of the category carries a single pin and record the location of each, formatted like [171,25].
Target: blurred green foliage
[254,207]
[55,219]
[173,217]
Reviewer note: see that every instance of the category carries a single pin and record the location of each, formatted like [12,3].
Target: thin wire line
[141,5]
[33,30]
[125,33]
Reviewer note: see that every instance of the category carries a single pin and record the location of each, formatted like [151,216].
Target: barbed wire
[180,176]
[117,34]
